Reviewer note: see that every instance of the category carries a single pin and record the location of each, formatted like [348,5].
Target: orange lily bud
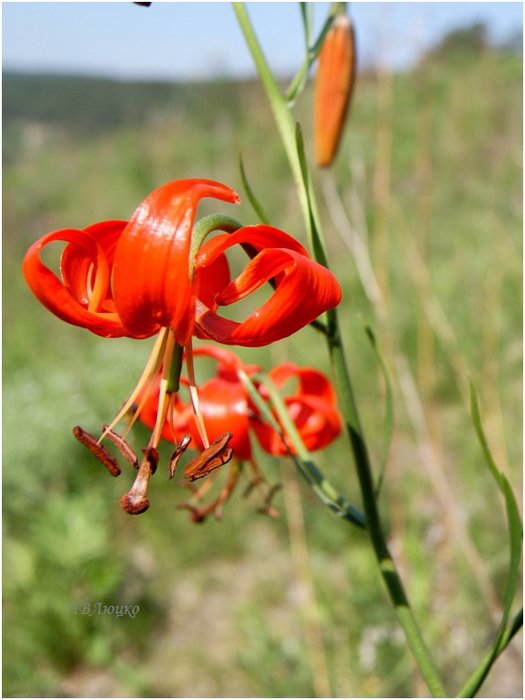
[333,87]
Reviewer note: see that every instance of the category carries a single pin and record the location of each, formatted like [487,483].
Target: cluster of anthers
[136,500]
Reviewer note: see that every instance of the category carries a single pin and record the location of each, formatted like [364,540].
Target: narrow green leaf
[515,537]
[306,16]
[314,50]
[317,243]
[257,206]
[481,435]
[389,408]
[298,83]
[512,629]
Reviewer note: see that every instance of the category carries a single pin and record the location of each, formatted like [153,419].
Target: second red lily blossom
[151,276]
[226,407]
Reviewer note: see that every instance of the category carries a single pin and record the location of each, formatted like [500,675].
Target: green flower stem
[386,563]
[311,52]
[282,115]
[214,222]
[286,127]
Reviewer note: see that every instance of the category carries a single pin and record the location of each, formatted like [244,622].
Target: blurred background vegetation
[429,176]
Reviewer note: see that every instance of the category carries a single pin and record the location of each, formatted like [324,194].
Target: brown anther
[136,500]
[134,507]
[214,456]
[123,446]
[99,451]
[268,510]
[271,493]
[255,483]
[197,514]
[179,451]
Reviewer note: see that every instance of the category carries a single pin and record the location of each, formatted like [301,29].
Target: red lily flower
[133,278]
[226,407]
[146,277]
[313,409]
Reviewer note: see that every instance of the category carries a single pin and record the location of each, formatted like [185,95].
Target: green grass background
[432,159]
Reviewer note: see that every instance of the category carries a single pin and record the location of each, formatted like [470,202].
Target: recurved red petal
[151,283]
[207,280]
[79,298]
[311,382]
[312,407]
[317,422]
[81,276]
[304,290]
[228,363]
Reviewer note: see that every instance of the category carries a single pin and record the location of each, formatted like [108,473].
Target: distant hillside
[100,104]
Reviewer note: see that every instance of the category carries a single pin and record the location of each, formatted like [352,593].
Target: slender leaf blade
[389,408]
[256,205]
[515,542]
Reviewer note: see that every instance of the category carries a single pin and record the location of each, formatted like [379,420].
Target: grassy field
[430,175]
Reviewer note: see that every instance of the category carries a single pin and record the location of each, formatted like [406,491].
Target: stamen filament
[194,396]
[99,289]
[164,395]
[199,493]
[150,370]
[257,478]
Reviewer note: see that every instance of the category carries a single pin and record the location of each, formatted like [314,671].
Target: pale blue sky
[181,40]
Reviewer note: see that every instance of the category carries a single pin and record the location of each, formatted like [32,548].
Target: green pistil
[175,369]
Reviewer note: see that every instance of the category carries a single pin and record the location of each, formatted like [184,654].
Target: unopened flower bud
[333,87]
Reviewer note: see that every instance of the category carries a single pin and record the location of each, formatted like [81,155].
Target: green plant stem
[386,563]
[205,226]
[282,115]
[286,127]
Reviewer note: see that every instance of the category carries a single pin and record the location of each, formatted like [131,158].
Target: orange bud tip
[334,83]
